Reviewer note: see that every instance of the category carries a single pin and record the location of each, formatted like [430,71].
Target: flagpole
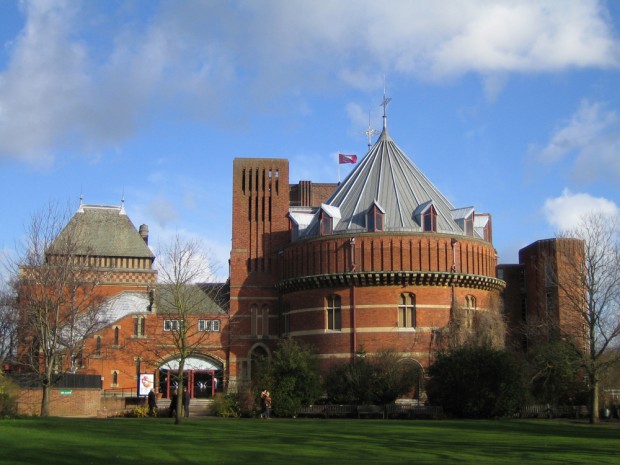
[338,166]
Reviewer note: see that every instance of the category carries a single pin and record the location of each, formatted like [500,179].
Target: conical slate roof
[387,178]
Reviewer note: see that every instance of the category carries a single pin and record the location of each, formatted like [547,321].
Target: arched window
[333,310]
[116,335]
[406,311]
[115,378]
[470,301]
[98,345]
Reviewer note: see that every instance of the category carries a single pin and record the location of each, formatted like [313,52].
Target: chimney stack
[144,232]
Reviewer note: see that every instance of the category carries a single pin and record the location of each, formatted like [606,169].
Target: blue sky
[512,107]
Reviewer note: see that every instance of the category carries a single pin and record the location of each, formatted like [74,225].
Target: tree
[59,305]
[476,382]
[8,326]
[472,327]
[589,298]
[181,297]
[291,376]
[552,369]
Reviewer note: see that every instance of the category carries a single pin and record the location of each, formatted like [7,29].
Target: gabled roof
[104,231]
[386,176]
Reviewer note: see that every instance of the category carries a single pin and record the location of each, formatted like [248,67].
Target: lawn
[299,442]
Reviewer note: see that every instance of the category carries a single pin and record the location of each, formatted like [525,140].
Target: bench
[370,410]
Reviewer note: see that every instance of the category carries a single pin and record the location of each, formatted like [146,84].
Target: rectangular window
[406,311]
[334,321]
[326,225]
[209,325]
[171,325]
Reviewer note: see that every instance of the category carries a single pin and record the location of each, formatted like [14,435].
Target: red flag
[342,158]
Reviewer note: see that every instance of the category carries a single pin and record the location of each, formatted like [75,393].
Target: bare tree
[473,327]
[8,326]
[589,299]
[58,301]
[181,298]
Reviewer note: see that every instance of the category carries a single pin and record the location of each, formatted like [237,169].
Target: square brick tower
[260,229]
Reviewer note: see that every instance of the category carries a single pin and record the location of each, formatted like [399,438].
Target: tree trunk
[45,401]
[594,417]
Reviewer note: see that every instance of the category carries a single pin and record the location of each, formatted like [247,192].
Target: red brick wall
[74,402]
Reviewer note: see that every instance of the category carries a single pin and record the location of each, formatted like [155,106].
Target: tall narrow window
[406,311]
[326,224]
[429,219]
[116,335]
[265,317]
[254,319]
[334,322]
[98,345]
[115,378]
[139,326]
[374,218]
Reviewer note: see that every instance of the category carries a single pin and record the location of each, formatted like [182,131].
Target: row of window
[169,325]
[406,311]
[203,325]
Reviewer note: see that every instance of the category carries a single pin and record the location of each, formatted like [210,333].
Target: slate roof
[104,231]
[387,177]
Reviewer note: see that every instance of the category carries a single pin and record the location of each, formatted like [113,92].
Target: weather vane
[370,132]
[384,104]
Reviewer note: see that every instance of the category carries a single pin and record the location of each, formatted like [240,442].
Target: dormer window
[469,225]
[328,219]
[326,224]
[429,220]
[375,218]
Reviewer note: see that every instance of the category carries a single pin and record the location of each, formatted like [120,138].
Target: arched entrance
[203,377]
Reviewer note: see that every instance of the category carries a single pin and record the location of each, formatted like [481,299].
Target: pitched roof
[104,231]
[387,177]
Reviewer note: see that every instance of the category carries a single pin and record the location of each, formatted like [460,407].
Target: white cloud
[592,137]
[71,83]
[566,211]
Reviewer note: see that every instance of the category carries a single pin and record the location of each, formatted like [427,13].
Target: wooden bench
[370,411]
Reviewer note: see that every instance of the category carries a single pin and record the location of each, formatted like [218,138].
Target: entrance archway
[203,377]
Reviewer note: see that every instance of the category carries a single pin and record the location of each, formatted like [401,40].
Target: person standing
[173,403]
[265,400]
[152,401]
[186,398]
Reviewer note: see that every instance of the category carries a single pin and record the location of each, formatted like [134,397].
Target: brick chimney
[144,232]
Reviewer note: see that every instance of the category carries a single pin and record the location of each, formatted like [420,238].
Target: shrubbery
[291,376]
[235,405]
[8,397]
[376,379]
[476,382]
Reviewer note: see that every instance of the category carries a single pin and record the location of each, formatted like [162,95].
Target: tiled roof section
[389,178]
[106,231]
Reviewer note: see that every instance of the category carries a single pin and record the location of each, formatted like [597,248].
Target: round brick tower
[383,263]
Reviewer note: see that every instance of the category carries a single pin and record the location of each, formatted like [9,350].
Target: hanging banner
[147,382]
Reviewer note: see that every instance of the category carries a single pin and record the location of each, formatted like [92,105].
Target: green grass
[299,442]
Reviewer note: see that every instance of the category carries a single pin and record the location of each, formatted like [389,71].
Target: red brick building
[535,302]
[379,261]
[376,262]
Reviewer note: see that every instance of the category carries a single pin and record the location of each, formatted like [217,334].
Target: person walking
[186,398]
